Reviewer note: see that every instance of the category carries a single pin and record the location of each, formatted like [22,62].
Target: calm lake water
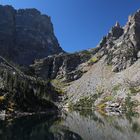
[84,125]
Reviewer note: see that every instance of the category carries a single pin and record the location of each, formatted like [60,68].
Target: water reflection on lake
[83,125]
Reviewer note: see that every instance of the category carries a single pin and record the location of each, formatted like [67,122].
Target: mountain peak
[26,35]
[134,17]
[116,31]
[117,24]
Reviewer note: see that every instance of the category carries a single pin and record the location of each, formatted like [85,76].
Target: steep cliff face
[26,35]
[67,67]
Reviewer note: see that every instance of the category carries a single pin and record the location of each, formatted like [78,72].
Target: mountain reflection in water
[83,125]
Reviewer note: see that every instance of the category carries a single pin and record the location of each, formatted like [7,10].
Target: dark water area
[83,125]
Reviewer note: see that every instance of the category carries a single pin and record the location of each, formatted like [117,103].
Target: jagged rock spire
[117,24]
[138,11]
[116,31]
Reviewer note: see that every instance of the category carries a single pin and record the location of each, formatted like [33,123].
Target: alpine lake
[72,125]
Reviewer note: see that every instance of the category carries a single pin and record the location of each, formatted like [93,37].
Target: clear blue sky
[80,24]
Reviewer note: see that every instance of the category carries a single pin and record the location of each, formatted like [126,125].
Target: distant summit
[117,24]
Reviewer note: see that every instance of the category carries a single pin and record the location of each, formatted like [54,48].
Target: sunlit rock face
[123,51]
[26,35]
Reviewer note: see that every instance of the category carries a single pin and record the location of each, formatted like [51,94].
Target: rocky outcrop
[63,66]
[123,51]
[67,67]
[26,35]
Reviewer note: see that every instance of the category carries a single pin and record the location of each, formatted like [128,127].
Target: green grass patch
[134,90]
[129,107]
[85,102]
[86,52]
[101,105]
[108,98]
[59,86]
[2,98]
[93,60]
[116,87]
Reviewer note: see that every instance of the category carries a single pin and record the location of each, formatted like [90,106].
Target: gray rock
[138,54]
[63,66]
[26,35]
[125,44]
[116,31]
